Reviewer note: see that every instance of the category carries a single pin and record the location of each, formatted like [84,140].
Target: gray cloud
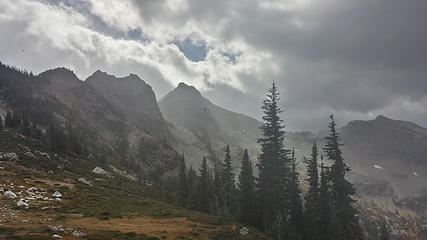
[356,59]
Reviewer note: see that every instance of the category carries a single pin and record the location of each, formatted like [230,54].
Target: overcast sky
[354,58]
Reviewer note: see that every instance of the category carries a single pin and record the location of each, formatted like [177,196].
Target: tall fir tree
[342,189]
[328,227]
[203,188]
[182,179]
[26,125]
[216,190]
[273,162]
[296,219]
[312,198]
[247,212]
[192,188]
[228,188]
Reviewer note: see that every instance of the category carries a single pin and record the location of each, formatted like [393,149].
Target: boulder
[22,203]
[9,156]
[31,190]
[56,236]
[53,228]
[244,231]
[57,194]
[79,234]
[43,154]
[9,195]
[83,180]
[29,154]
[100,171]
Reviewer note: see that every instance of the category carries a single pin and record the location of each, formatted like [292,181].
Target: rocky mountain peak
[59,79]
[183,88]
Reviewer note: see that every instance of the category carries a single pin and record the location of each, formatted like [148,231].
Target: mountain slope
[102,206]
[201,128]
[109,118]
[389,149]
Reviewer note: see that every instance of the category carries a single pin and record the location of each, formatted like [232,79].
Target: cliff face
[133,98]
[123,111]
[104,98]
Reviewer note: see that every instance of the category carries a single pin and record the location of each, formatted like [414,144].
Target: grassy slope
[112,208]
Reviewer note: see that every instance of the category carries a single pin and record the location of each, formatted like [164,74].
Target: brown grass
[170,227]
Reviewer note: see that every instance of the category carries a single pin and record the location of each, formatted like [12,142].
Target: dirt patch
[56,183]
[170,227]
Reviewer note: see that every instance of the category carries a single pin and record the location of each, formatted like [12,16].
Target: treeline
[272,201]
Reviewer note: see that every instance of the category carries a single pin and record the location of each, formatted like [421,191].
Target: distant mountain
[388,149]
[201,128]
[387,157]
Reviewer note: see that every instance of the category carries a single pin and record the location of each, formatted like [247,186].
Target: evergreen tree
[296,220]
[192,187]
[26,125]
[246,194]
[216,190]
[312,204]
[273,162]
[328,227]
[342,190]
[228,186]
[9,119]
[16,120]
[203,188]
[182,178]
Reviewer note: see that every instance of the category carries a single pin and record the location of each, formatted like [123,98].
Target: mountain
[388,157]
[200,128]
[107,118]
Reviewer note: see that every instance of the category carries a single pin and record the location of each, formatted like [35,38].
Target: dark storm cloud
[356,58]
[353,58]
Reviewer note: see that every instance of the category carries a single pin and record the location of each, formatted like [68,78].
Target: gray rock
[22,203]
[9,156]
[57,194]
[100,171]
[53,228]
[83,180]
[79,234]
[29,154]
[244,231]
[9,195]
